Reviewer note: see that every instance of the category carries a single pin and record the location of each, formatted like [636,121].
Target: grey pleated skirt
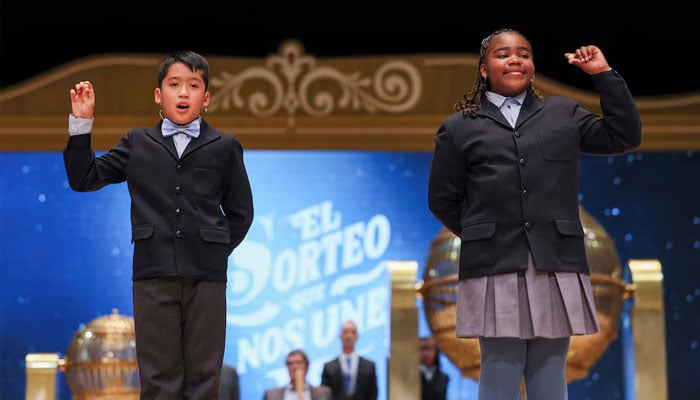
[526,305]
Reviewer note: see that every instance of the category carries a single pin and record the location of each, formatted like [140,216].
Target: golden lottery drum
[101,360]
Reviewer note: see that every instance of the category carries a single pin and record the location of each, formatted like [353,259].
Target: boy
[191,206]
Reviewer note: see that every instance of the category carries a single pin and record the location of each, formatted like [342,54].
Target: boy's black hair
[195,61]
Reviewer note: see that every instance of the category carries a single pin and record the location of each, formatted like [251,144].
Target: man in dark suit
[350,376]
[228,385]
[297,388]
[433,380]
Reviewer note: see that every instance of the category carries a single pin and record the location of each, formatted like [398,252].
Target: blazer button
[179,168]
[178,189]
[522,162]
[178,211]
[526,192]
[528,226]
[178,234]
[517,134]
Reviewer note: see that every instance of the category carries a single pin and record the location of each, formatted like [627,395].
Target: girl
[504,178]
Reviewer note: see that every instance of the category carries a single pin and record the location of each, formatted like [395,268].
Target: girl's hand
[588,58]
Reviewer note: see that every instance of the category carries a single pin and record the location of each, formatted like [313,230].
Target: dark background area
[654,46]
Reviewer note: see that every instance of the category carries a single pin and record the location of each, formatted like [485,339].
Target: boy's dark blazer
[187,213]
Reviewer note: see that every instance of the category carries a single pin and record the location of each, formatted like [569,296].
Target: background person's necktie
[347,374]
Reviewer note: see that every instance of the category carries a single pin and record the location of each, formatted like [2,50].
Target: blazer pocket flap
[569,227]
[215,235]
[480,231]
[141,232]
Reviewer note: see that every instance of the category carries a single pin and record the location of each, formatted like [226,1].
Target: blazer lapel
[207,134]
[157,135]
[490,110]
[531,106]
[339,373]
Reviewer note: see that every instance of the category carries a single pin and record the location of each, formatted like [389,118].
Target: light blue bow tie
[169,128]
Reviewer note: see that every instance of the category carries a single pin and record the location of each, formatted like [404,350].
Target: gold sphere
[101,360]
[438,289]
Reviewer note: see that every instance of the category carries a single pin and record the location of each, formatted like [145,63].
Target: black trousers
[180,329]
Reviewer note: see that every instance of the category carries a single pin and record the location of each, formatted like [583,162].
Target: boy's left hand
[83,100]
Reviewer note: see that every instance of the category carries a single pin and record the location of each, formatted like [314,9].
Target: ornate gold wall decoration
[299,83]
[295,100]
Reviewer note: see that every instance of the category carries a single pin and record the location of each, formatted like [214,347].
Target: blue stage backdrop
[326,224]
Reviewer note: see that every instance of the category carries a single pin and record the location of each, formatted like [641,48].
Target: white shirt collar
[498,100]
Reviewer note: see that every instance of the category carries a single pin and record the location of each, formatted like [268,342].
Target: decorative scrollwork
[293,81]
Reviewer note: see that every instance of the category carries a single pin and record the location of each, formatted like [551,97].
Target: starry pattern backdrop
[54,275]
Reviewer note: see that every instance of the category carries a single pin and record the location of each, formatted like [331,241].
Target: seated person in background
[297,388]
[433,380]
[228,385]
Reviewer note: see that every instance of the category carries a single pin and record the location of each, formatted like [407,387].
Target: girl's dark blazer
[508,191]
[187,213]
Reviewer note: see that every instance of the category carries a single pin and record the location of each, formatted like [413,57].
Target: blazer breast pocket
[560,144]
[207,182]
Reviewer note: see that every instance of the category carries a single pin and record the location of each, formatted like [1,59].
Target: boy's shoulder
[208,129]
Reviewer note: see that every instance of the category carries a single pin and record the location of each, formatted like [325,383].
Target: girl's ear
[156,96]
[483,71]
